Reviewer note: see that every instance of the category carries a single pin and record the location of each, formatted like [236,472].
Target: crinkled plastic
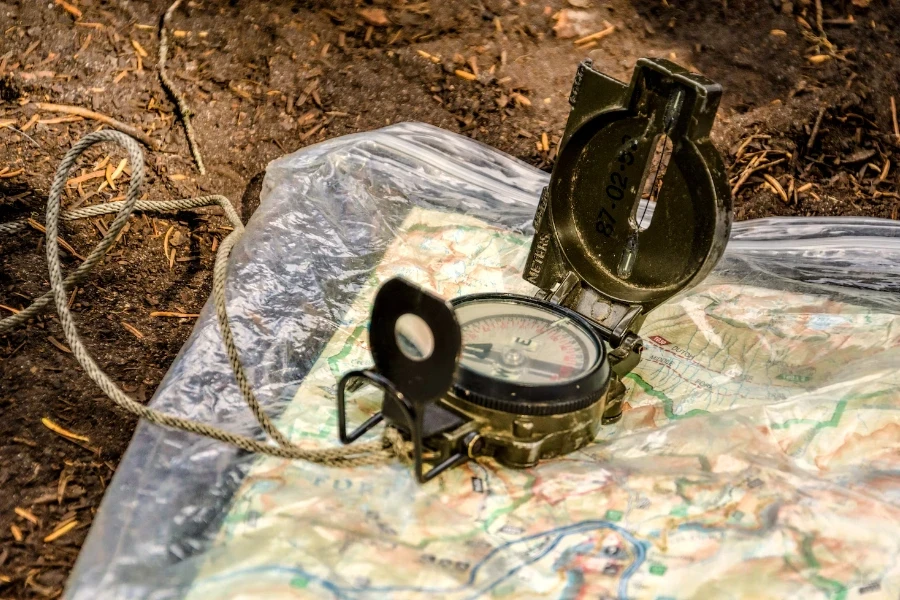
[759,455]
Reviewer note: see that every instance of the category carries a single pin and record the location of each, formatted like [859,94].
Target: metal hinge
[615,322]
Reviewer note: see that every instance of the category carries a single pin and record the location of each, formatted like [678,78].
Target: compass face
[524,343]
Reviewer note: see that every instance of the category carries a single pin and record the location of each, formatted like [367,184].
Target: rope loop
[371,453]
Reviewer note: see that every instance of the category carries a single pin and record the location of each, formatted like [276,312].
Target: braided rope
[80,274]
[371,453]
[13,226]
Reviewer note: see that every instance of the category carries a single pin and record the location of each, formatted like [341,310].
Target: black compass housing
[534,400]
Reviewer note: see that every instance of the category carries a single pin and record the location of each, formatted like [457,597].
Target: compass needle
[480,351]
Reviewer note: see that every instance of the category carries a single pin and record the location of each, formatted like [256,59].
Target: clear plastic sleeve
[761,441]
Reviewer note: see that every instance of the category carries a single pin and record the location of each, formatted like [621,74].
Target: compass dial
[524,343]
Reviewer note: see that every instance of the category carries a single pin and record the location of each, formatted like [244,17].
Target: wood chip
[31,122]
[242,93]
[86,177]
[108,174]
[31,48]
[750,170]
[63,432]
[134,330]
[596,36]
[26,514]
[473,63]
[374,16]
[61,530]
[545,142]
[465,75]
[9,308]
[166,242]
[431,57]
[173,315]
[16,533]
[520,99]
[49,424]
[72,10]
[66,246]
[776,186]
[84,46]
[138,48]
[119,170]
[312,132]
[59,344]
[894,117]
[885,170]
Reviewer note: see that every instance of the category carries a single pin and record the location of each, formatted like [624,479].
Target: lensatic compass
[637,209]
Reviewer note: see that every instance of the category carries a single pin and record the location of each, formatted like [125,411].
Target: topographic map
[759,457]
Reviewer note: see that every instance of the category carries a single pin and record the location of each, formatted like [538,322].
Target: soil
[267,78]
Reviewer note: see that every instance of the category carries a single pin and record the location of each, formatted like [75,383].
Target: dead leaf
[859,156]
[374,16]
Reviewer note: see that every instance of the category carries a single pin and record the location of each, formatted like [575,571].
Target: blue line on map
[558,535]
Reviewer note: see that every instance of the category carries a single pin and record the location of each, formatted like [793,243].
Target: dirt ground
[806,128]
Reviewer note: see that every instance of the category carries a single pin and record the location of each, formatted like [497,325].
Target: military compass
[637,209]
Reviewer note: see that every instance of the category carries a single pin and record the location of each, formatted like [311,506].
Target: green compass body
[637,209]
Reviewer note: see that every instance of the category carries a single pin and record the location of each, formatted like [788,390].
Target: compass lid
[638,206]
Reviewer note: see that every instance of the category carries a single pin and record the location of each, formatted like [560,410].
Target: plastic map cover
[758,457]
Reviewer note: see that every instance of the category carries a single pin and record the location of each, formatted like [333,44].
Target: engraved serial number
[605,222]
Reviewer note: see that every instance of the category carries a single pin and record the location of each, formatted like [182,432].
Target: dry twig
[89,114]
[815,129]
[134,330]
[49,424]
[61,530]
[775,185]
[894,117]
[596,36]
[184,112]
[68,248]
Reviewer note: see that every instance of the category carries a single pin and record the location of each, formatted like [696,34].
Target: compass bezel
[530,399]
